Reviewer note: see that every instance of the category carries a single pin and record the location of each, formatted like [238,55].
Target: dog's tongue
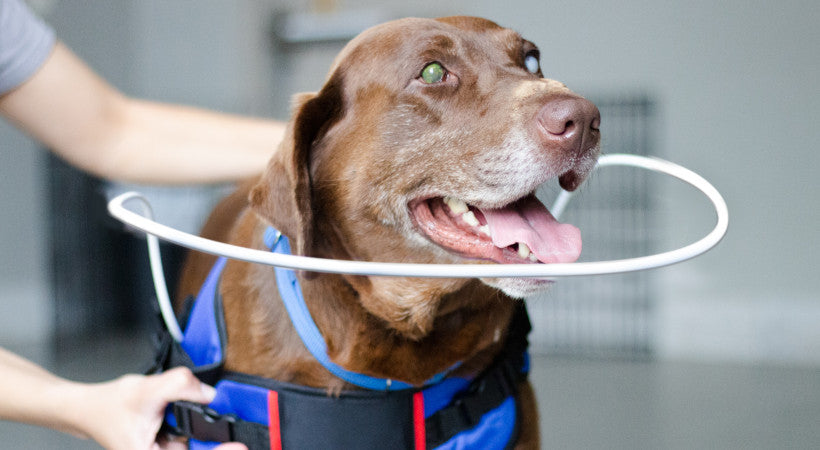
[530,222]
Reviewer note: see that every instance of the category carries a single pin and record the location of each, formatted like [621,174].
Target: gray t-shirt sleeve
[25,43]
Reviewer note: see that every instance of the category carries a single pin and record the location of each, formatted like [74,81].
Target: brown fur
[356,154]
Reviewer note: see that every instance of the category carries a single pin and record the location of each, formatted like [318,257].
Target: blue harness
[448,412]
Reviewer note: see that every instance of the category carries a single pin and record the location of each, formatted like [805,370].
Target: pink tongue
[530,222]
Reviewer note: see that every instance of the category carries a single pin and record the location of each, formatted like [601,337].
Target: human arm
[70,109]
[125,413]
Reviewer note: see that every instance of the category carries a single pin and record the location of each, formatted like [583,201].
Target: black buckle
[202,423]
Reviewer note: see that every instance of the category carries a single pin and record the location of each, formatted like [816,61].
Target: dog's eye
[531,62]
[433,73]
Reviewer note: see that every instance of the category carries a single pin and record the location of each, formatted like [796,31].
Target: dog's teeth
[484,229]
[470,218]
[523,250]
[456,206]
[533,258]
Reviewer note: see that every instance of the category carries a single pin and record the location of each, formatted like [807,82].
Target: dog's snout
[569,122]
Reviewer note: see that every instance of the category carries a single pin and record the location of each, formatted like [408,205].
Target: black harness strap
[485,393]
[490,389]
[204,424]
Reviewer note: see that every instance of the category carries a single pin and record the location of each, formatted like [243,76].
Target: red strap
[418,421]
[273,421]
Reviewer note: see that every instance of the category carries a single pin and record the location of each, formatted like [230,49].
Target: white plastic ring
[146,224]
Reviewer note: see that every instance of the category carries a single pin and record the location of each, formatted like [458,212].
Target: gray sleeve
[25,43]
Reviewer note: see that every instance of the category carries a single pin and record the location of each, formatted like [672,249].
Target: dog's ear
[283,196]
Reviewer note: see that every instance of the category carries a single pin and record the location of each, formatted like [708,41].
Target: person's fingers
[180,384]
[231,446]
[169,445]
[180,445]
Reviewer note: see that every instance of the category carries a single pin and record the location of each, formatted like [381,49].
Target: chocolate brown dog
[426,145]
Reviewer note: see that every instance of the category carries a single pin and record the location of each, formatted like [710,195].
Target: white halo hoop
[155,230]
[146,224]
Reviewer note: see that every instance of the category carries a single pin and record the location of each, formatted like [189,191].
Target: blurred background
[719,352]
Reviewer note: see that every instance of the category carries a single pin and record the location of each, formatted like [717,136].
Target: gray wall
[735,82]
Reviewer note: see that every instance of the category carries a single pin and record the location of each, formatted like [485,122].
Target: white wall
[739,103]
[737,89]
[24,307]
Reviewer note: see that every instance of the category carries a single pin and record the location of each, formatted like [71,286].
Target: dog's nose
[570,122]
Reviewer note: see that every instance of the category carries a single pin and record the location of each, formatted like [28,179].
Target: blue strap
[291,294]
[201,340]
[493,432]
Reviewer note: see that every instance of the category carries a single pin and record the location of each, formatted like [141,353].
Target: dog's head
[426,144]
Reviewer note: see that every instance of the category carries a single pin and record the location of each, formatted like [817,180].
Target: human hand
[126,413]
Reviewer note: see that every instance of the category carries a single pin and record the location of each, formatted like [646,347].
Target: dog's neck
[365,343]
[467,326]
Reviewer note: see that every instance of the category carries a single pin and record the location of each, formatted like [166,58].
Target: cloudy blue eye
[531,62]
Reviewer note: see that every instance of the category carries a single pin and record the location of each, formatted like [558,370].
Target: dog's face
[426,144]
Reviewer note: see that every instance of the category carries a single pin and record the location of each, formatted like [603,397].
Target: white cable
[561,203]
[147,225]
[157,273]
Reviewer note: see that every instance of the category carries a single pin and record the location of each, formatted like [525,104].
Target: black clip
[202,423]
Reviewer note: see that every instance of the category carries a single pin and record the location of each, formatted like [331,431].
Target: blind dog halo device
[154,231]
